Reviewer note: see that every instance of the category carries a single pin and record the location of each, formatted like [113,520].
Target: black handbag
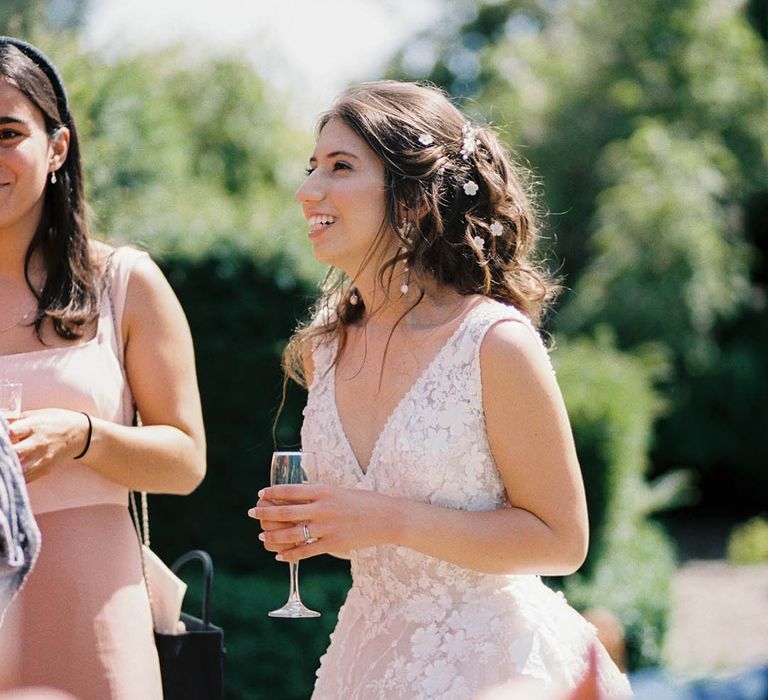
[192,663]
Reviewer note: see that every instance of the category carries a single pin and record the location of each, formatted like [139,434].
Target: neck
[14,242]
[387,305]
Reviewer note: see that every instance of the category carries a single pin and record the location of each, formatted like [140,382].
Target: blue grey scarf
[19,534]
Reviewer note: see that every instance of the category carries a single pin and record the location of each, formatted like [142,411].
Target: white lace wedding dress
[414,626]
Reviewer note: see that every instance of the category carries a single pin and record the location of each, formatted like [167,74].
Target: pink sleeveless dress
[82,622]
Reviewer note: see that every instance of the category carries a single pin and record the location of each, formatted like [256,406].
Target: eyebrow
[11,120]
[334,154]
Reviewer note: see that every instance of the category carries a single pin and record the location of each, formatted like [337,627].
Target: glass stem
[294,595]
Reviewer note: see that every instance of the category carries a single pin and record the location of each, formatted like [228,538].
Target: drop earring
[405,231]
[406,273]
[54,179]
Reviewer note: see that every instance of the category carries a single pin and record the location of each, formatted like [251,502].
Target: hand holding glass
[10,399]
[293,468]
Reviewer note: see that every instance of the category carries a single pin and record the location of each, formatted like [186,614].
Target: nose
[310,190]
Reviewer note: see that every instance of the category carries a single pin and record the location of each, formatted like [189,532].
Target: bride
[448,473]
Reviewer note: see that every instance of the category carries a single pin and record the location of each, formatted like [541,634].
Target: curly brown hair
[459,203]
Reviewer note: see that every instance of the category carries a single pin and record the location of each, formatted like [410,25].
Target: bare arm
[544,529]
[166,454]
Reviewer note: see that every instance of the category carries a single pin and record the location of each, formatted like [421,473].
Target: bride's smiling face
[344,198]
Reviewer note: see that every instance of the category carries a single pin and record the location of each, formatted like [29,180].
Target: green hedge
[240,310]
[613,406]
[266,657]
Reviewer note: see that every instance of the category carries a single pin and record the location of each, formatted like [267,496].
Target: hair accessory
[426,139]
[479,242]
[88,437]
[470,188]
[496,228]
[469,143]
[354,299]
[53,177]
[45,65]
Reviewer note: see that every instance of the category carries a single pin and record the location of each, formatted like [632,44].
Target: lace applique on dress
[413,626]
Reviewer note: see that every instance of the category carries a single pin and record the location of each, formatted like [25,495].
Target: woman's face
[27,156]
[344,199]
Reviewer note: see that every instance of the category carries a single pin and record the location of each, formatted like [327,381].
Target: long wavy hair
[460,205]
[70,295]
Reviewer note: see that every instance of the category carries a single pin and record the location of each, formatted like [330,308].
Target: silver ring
[308,539]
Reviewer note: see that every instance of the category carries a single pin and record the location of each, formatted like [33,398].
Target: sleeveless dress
[82,622]
[414,626]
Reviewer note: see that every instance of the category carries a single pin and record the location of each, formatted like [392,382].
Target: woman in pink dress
[447,469]
[88,330]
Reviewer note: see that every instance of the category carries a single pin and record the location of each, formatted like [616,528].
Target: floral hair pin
[470,188]
[426,139]
[496,229]
[479,242]
[469,144]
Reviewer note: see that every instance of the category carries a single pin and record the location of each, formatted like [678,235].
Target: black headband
[45,65]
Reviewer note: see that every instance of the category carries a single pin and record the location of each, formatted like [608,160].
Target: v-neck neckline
[362,473]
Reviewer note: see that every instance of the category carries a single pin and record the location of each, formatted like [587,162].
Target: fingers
[292,536]
[19,429]
[303,551]
[292,493]
[283,513]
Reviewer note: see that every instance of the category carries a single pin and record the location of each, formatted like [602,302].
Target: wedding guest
[88,330]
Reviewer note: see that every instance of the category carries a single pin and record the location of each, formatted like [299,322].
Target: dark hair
[70,295]
[456,199]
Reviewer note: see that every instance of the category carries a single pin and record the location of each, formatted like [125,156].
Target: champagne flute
[293,468]
[10,399]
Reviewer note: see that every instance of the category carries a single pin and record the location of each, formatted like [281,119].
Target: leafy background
[647,125]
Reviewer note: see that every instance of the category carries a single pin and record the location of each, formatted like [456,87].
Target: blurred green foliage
[613,404]
[648,124]
[748,543]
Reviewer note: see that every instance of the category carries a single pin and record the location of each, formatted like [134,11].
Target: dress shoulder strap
[323,355]
[118,271]
[488,315]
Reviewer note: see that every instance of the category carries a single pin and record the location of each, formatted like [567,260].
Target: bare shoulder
[150,301]
[511,346]
[146,278]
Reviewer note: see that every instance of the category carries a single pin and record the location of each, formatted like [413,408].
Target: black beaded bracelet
[88,438]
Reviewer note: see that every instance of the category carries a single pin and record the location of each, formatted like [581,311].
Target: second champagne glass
[10,399]
[293,468]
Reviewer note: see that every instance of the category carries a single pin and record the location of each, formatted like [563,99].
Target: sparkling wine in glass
[10,399]
[293,468]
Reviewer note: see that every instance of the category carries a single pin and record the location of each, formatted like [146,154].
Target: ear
[59,148]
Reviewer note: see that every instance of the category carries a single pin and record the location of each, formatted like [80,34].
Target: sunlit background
[646,125]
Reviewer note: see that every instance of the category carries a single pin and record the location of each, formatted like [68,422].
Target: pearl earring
[404,286]
[53,177]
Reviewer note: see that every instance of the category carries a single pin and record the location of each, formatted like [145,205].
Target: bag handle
[205,559]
